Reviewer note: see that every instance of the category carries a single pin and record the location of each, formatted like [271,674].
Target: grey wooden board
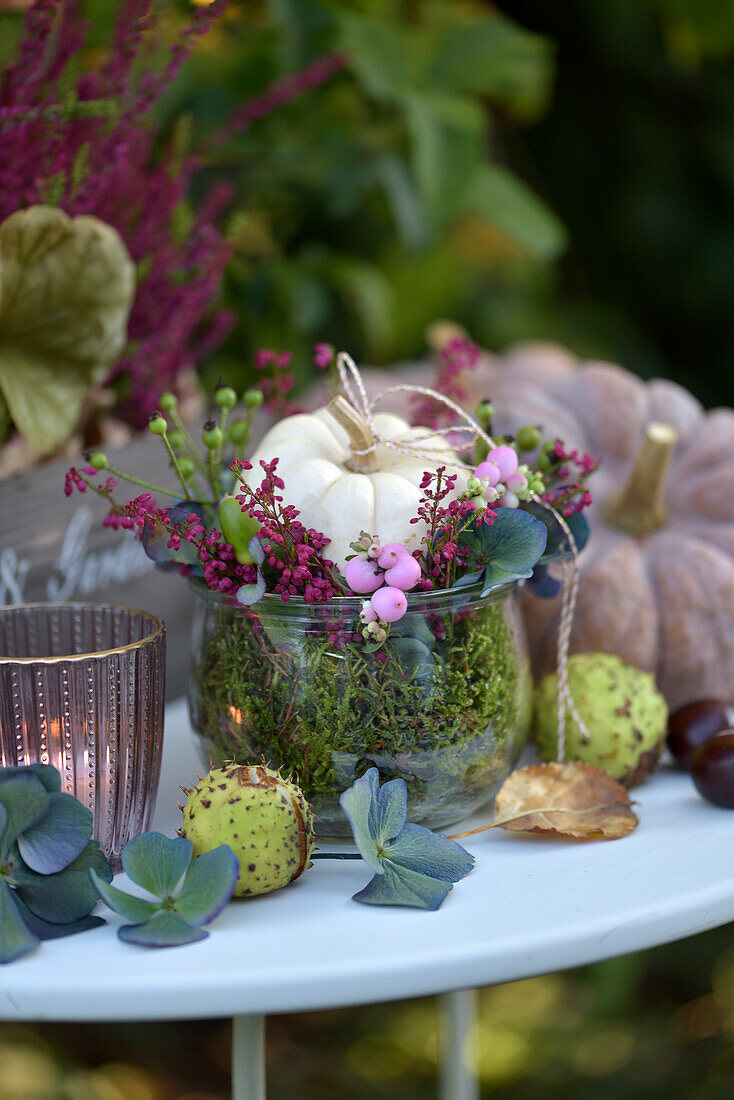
[54,547]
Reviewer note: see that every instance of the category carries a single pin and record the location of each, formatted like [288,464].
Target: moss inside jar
[443,704]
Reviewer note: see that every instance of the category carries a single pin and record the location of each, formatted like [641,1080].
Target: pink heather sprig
[277,382]
[445,520]
[458,354]
[567,491]
[220,569]
[294,561]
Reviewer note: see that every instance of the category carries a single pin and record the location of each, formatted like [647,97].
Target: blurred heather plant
[84,141]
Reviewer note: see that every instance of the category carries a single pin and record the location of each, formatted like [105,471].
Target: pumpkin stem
[364,451]
[640,507]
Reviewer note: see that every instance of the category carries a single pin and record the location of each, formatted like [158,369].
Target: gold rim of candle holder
[159,629]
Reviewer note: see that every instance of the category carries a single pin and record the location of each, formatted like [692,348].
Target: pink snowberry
[505,458]
[405,574]
[517,482]
[390,604]
[488,471]
[368,613]
[363,576]
[391,553]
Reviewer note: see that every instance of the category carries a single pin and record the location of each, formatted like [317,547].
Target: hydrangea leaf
[509,548]
[26,801]
[412,865]
[208,885]
[157,862]
[68,895]
[155,536]
[557,547]
[418,849]
[400,886]
[248,594]
[15,938]
[45,772]
[376,814]
[166,929]
[45,931]
[256,550]
[59,837]
[131,908]
[66,288]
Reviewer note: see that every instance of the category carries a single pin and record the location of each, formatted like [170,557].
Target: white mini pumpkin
[340,492]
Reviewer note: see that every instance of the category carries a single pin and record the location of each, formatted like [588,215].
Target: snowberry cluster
[501,479]
[386,573]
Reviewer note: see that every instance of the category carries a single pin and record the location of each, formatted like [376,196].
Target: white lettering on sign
[13,573]
[81,573]
[75,571]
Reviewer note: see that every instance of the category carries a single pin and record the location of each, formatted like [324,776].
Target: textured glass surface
[444,704]
[82,688]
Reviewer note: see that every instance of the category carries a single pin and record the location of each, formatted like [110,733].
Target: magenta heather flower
[323,356]
[457,355]
[84,142]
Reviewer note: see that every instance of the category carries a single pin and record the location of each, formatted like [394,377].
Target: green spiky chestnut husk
[624,713]
[263,817]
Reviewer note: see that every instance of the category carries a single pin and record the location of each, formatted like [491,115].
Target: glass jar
[444,703]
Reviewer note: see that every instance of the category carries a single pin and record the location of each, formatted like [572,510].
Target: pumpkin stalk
[640,507]
[364,451]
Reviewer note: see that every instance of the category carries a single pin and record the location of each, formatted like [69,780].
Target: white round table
[531,905]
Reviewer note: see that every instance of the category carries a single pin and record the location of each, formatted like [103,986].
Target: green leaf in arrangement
[66,288]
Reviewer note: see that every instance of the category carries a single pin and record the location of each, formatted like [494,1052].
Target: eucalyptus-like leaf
[66,288]
[16,938]
[413,865]
[67,896]
[59,837]
[157,862]
[26,801]
[248,594]
[127,905]
[208,886]
[166,929]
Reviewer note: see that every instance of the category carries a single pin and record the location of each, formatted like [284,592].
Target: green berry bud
[176,439]
[528,438]
[225,397]
[186,466]
[237,432]
[99,461]
[212,435]
[158,425]
[253,398]
[485,413]
[168,401]
[547,458]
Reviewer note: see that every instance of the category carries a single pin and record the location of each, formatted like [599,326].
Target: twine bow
[356,394]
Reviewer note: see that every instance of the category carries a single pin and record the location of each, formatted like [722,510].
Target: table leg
[457,1063]
[248,1058]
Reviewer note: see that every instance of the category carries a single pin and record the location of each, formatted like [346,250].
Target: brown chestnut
[712,769]
[692,725]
